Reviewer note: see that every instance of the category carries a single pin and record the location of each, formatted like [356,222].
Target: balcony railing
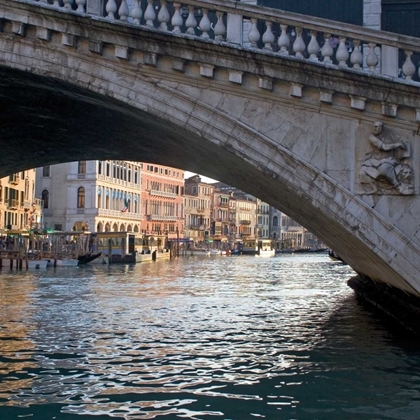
[271,31]
[244,222]
[195,227]
[118,214]
[163,193]
[162,217]
[13,203]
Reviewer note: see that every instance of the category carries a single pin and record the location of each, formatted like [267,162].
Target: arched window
[46,198]
[81,198]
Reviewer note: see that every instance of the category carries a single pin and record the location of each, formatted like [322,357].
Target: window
[46,198]
[81,198]
[58,227]
[81,167]
[46,171]
[275,221]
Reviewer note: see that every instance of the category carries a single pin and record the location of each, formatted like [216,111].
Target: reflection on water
[199,338]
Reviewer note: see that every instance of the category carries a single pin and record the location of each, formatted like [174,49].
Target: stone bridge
[320,119]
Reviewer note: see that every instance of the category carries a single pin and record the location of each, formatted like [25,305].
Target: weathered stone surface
[170,100]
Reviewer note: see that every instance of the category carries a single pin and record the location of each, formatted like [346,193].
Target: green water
[200,338]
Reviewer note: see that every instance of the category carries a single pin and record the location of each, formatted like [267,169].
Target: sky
[203,178]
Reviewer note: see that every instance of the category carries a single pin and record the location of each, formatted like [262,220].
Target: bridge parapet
[269,30]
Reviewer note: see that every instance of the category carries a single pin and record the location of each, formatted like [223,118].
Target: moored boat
[266,253]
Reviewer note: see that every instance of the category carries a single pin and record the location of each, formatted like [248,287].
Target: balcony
[118,214]
[163,194]
[151,217]
[196,227]
[13,203]
[244,222]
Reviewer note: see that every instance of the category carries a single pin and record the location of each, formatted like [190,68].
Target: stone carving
[386,169]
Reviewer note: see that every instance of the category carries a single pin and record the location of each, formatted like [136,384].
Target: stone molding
[376,89]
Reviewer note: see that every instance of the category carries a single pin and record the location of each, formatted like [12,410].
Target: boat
[199,252]
[265,248]
[214,252]
[249,247]
[88,257]
[266,253]
[37,264]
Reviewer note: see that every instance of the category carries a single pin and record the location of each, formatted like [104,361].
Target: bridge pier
[402,308]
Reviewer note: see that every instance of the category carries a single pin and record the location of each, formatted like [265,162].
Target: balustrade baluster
[327,49]
[299,46]
[177,20]
[313,47]
[67,4]
[372,59]
[163,16]
[56,2]
[254,34]
[111,8]
[342,54]
[408,67]
[136,12]
[284,41]
[123,10]
[268,37]
[219,28]
[150,14]
[81,6]
[205,24]
[356,57]
[191,22]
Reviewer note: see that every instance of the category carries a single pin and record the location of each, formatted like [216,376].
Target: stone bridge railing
[272,31]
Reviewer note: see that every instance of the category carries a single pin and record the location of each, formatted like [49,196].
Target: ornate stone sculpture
[386,168]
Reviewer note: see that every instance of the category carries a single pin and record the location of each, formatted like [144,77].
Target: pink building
[162,189]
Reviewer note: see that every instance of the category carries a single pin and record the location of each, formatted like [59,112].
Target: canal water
[201,338]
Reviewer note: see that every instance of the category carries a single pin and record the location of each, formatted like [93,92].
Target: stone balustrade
[266,30]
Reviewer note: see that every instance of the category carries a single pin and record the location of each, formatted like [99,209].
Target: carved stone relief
[385,168]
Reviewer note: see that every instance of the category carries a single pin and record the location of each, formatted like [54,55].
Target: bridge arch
[68,105]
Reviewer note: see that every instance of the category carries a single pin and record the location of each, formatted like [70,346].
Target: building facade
[162,200]
[246,216]
[198,201]
[94,195]
[19,207]
[220,224]
[263,220]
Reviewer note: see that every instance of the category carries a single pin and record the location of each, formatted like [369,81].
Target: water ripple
[233,338]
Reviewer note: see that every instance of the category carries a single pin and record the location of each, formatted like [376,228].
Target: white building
[100,196]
